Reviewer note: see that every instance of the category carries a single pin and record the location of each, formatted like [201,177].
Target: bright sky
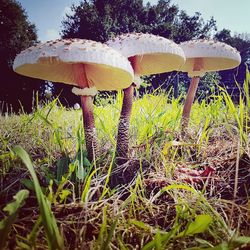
[230,14]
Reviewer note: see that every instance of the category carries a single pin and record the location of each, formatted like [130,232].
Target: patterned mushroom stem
[89,127]
[189,101]
[87,112]
[124,122]
[122,144]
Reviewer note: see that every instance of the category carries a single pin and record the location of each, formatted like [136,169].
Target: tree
[17,33]
[192,27]
[100,20]
[242,43]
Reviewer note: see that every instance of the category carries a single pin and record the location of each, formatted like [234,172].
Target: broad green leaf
[199,225]
[62,167]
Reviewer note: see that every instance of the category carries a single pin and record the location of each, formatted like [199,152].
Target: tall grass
[159,209]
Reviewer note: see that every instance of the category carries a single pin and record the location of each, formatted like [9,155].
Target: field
[186,190]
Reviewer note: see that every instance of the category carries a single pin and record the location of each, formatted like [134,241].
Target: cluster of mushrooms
[118,64]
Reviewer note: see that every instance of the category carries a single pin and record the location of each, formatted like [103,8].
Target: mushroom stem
[189,101]
[124,122]
[89,127]
[87,112]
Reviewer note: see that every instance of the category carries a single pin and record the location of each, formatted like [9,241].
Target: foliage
[109,19]
[242,43]
[100,20]
[160,208]
[12,209]
[17,33]
[55,241]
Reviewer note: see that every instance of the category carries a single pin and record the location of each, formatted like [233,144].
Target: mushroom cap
[104,68]
[207,55]
[149,54]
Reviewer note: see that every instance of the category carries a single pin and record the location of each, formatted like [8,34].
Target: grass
[65,202]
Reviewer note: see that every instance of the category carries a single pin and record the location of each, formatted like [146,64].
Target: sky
[234,15]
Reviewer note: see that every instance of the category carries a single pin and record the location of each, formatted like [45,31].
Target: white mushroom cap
[149,54]
[105,68]
[207,55]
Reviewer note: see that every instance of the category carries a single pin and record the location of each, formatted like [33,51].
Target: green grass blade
[54,239]
[103,229]
[13,209]
[110,235]
[87,186]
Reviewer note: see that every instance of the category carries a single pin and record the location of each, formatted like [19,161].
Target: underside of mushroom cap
[208,55]
[105,68]
[149,54]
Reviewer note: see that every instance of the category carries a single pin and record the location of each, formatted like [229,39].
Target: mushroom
[89,65]
[148,54]
[204,56]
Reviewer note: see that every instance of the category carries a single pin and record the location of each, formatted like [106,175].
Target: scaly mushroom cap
[207,55]
[149,54]
[104,68]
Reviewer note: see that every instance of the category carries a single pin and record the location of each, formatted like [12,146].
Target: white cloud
[52,34]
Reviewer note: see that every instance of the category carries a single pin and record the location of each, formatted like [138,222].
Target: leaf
[105,246]
[199,225]
[34,232]
[234,243]
[239,241]
[174,143]
[178,186]
[64,194]
[80,173]
[28,184]
[87,186]
[140,224]
[54,239]
[12,209]
[172,187]
[242,240]
[30,241]
[62,167]
[159,240]
[222,246]
[82,165]
[103,229]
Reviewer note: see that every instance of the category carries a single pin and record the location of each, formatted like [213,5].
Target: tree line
[101,20]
